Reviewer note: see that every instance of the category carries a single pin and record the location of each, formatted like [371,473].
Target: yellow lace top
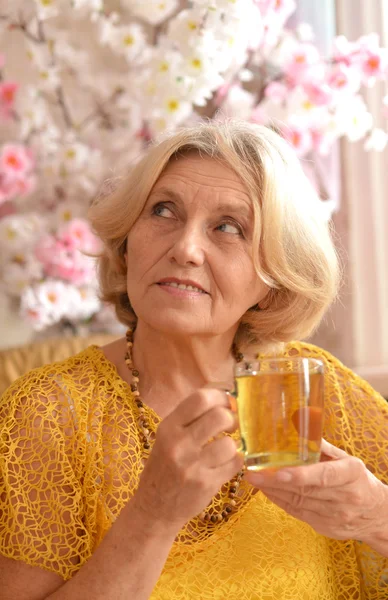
[70,459]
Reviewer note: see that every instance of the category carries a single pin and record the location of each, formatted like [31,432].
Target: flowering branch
[98,97]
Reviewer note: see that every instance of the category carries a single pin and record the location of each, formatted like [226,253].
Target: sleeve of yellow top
[357,421]
[41,500]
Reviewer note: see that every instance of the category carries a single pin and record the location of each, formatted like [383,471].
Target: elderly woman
[115,482]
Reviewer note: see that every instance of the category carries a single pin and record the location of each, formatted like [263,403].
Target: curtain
[356,330]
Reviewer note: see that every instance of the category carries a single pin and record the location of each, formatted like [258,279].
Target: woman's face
[189,253]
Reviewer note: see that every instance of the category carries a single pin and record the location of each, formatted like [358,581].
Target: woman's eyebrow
[223,207]
[237,207]
[167,193]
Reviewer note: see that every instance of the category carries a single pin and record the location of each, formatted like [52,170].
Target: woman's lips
[180,289]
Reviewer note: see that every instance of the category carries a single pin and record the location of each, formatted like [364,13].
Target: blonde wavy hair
[293,252]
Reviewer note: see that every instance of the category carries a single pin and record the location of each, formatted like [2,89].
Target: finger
[195,405]
[230,469]
[330,452]
[210,424]
[219,452]
[296,502]
[322,475]
[318,521]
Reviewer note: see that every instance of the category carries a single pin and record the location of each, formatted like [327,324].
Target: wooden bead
[233,502]
[225,513]
[135,373]
[213,519]
[219,517]
[136,393]
[135,379]
[207,517]
[233,490]
[228,509]
[147,446]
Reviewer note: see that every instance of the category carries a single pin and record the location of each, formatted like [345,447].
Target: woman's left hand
[338,497]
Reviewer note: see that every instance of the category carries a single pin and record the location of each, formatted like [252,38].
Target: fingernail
[284,476]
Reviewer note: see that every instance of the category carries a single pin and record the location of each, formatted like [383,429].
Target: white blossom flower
[355,118]
[74,155]
[46,9]
[69,54]
[377,140]
[48,79]
[302,109]
[87,303]
[33,312]
[20,231]
[305,32]
[89,5]
[19,272]
[34,112]
[67,211]
[153,11]
[128,40]
[173,108]
[46,303]
[184,29]
[239,103]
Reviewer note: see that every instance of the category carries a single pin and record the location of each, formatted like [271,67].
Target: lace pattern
[71,458]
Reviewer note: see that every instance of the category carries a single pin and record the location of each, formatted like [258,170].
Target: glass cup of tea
[280,411]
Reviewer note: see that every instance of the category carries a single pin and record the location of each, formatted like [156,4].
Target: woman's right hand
[185,470]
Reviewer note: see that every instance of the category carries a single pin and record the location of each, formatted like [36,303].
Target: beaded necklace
[145,432]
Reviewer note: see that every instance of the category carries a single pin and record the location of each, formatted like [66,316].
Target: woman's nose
[188,247]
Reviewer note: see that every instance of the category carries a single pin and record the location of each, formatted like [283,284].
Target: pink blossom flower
[63,255]
[13,187]
[275,13]
[299,137]
[304,60]
[221,94]
[64,262]
[276,91]
[278,9]
[319,94]
[374,66]
[77,234]
[344,52]
[16,177]
[7,98]
[344,80]
[322,141]
[15,161]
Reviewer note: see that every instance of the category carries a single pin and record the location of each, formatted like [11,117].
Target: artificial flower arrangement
[100,84]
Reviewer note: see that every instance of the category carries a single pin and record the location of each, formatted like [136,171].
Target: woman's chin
[175,321]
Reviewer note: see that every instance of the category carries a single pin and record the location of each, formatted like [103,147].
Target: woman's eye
[161,210]
[230,228]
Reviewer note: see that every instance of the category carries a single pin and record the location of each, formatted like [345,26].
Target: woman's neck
[172,367]
[167,359]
